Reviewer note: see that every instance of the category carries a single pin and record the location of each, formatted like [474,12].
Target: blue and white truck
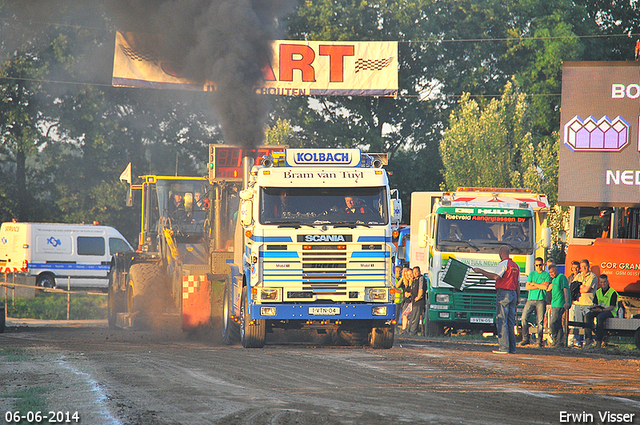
[315,246]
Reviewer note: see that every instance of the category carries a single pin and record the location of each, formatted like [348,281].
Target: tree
[494,146]
[65,144]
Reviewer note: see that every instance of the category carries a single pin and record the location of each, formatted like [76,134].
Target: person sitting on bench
[606,308]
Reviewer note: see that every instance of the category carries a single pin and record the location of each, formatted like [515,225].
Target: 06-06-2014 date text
[37,417]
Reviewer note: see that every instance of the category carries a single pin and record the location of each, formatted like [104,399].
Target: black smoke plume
[224,41]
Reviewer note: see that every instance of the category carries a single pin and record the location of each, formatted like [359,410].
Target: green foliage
[558,221]
[281,133]
[494,146]
[54,307]
[55,135]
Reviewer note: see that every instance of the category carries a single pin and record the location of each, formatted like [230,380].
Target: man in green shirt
[537,284]
[560,301]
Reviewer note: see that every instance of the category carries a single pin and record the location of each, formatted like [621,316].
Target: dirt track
[133,377]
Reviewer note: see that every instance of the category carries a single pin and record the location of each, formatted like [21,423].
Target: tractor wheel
[116,303]
[147,291]
[381,337]
[251,335]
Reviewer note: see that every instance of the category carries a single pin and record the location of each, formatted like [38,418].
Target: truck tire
[432,328]
[230,328]
[382,337]
[251,336]
[116,303]
[146,289]
[353,335]
[636,338]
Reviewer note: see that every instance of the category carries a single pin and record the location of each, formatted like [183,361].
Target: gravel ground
[170,377]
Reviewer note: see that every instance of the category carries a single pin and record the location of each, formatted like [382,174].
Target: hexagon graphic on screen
[590,135]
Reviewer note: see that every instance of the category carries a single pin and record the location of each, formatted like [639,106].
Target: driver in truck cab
[176,202]
[353,205]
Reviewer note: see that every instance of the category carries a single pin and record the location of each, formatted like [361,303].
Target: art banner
[297,68]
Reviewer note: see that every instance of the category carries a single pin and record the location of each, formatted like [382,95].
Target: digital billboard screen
[599,144]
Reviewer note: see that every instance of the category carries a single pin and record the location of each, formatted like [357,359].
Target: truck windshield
[183,203]
[315,205]
[467,233]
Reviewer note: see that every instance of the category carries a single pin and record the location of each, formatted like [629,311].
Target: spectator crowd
[581,299]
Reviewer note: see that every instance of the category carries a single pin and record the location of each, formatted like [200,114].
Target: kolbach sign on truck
[600,144]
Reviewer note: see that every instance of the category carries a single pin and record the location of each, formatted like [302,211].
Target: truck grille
[321,271]
[324,272]
[478,302]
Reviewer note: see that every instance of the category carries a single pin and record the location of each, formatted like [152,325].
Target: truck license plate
[481,320]
[324,311]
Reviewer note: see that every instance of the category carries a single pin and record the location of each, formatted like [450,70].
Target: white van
[54,252]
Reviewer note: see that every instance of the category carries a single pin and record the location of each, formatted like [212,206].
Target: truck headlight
[375,294]
[270,294]
[379,311]
[267,311]
[442,298]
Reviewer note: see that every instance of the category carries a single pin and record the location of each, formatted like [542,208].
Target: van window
[117,245]
[90,245]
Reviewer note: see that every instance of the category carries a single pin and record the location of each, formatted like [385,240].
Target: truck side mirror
[396,211]
[246,213]
[423,229]
[546,238]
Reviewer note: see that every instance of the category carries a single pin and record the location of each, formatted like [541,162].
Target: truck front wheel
[382,337]
[432,328]
[230,331]
[251,335]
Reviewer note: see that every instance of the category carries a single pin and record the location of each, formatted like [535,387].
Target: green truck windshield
[484,233]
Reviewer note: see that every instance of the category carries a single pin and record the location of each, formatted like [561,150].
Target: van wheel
[46,280]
